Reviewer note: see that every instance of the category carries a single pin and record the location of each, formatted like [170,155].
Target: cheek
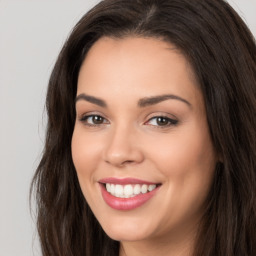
[186,159]
[185,150]
[85,155]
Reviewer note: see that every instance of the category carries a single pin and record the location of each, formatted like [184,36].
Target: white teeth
[112,189]
[136,189]
[151,187]
[108,187]
[129,190]
[144,189]
[119,190]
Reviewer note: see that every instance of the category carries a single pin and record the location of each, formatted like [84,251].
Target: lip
[124,181]
[126,204]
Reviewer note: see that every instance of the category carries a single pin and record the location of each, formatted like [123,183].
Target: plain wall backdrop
[31,35]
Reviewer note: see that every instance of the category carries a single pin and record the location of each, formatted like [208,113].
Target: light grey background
[31,35]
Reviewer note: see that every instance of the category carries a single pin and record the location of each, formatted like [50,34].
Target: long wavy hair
[222,52]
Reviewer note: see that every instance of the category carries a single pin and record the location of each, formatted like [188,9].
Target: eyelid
[173,121]
[90,113]
[161,114]
[85,116]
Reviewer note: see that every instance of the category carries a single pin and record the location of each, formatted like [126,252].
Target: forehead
[135,50]
[139,67]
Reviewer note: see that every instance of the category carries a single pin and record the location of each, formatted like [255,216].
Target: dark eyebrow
[147,101]
[91,99]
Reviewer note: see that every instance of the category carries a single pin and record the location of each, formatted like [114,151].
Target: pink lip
[125,203]
[125,181]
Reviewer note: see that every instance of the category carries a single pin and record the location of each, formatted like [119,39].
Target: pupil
[162,121]
[97,119]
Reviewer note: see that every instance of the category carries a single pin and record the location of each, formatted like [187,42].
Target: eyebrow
[148,101]
[144,102]
[91,99]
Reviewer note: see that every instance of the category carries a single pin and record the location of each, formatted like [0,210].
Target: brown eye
[93,120]
[161,121]
[97,119]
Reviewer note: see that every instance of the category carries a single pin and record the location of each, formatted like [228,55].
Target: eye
[93,120]
[161,121]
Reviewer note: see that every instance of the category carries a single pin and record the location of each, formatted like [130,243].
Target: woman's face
[141,133]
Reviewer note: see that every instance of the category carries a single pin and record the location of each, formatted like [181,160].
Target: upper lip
[124,181]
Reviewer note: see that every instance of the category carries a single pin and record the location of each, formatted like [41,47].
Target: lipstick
[127,194]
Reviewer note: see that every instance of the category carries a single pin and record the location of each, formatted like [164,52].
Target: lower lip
[126,204]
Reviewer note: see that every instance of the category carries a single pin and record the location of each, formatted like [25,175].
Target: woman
[150,146]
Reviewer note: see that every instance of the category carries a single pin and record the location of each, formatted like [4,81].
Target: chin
[124,235]
[126,231]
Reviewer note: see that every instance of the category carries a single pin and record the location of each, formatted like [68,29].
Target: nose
[122,148]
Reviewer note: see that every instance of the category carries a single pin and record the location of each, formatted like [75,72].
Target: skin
[129,142]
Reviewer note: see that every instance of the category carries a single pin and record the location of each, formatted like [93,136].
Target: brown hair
[222,52]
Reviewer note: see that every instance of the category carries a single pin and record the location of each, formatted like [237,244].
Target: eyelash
[84,119]
[169,121]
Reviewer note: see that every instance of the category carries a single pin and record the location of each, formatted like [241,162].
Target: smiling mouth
[129,190]
[128,193]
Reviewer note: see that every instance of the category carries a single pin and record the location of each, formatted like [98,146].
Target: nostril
[128,161]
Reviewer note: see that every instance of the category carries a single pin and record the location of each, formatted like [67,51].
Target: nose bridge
[122,147]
